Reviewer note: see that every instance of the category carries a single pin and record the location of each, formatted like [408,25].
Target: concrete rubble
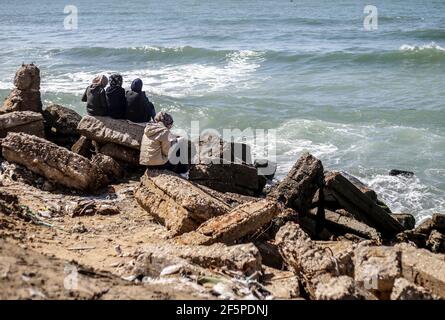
[22,121]
[61,125]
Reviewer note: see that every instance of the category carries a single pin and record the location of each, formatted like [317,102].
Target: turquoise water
[362,101]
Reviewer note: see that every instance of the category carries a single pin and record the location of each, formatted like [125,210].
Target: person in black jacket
[117,103]
[95,98]
[139,108]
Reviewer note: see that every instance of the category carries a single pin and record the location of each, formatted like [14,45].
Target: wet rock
[298,188]
[362,207]
[84,147]
[425,227]
[26,95]
[52,162]
[106,129]
[110,167]
[423,268]
[233,177]
[406,290]
[61,125]
[175,202]
[405,219]
[436,242]
[244,257]
[376,269]
[439,221]
[238,223]
[120,153]
[22,121]
[396,172]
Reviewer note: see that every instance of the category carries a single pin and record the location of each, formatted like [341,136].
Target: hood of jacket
[154,130]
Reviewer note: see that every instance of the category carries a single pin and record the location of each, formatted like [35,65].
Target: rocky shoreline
[80,219]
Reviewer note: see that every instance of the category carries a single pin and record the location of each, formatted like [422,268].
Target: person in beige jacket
[156,144]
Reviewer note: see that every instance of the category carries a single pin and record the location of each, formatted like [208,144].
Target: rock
[110,167]
[26,95]
[238,223]
[343,253]
[175,202]
[439,221]
[423,268]
[340,224]
[282,284]
[297,190]
[314,265]
[376,269]
[61,125]
[436,242]
[425,227]
[362,207]
[244,257]
[52,162]
[120,153]
[89,208]
[232,199]
[22,121]
[106,129]
[228,177]
[266,168]
[405,219]
[83,146]
[360,185]
[406,290]
[419,239]
[270,255]
[396,172]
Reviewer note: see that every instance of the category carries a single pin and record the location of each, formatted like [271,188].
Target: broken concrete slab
[407,220]
[341,224]
[176,202]
[84,147]
[406,290]
[233,177]
[360,185]
[238,223]
[110,167]
[361,206]
[336,288]
[106,129]
[52,162]
[22,121]
[298,188]
[61,125]
[423,268]
[376,268]
[121,153]
[244,257]
[232,199]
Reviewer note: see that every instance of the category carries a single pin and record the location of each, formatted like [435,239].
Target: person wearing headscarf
[117,103]
[158,143]
[139,108]
[95,97]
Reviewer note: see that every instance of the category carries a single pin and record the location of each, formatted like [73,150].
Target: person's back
[139,108]
[95,97]
[155,144]
[116,100]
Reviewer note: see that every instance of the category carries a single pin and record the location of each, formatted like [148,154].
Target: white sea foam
[430,46]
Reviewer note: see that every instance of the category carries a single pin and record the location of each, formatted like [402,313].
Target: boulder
[300,185]
[238,223]
[61,125]
[425,227]
[376,269]
[362,207]
[397,172]
[439,221]
[419,239]
[175,202]
[360,185]
[22,121]
[83,146]
[244,257]
[406,290]
[106,129]
[121,153]
[227,177]
[436,242]
[52,162]
[423,268]
[110,167]
[26,95]
[405,219]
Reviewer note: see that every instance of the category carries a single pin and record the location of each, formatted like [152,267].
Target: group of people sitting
[113,101]
[133,105]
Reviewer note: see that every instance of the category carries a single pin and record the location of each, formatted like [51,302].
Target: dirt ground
[38,260]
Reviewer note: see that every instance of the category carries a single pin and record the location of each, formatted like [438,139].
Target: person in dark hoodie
[95,97]
[117,103]
[139,108]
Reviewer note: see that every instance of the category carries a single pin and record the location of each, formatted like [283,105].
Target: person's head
[136,85]
[99,81]
[116,80]
[164,118]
